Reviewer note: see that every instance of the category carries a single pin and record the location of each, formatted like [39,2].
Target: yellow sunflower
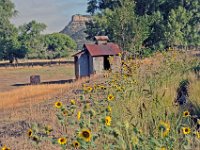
[5,148]
[186,113]
[135,140]
[108,120]
[76,144]
[163,148]
[186,130]
[58,104]
[73,102]
[164,127]
[197,133]
[109,108]
[86,135]
[110,97]
[101,87]
[30,132]
[198,121]
[62,141]
[79,115]
[89,89]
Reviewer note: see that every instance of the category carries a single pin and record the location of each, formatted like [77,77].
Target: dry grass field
[12,78]
[14,89]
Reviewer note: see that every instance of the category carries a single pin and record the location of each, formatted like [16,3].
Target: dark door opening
[106,63]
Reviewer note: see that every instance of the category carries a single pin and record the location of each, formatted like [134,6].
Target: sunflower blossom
[73,102]
[76,144]
[108,120]
[79,115]
[30,132]
[110,97]
[86,135]
[186,130]
[58,105]
[109,108]
[164,127]
[186,114]
[5,148]
[62,141]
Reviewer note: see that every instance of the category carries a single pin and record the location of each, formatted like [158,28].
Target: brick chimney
[101,39]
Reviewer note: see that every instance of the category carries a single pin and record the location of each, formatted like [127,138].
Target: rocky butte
[76,29]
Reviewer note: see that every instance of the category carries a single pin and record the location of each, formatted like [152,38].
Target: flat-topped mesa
[81,18]
[76,29]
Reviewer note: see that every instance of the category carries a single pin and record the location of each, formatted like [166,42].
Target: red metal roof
[103,49]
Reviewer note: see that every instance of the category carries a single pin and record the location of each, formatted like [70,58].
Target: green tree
[122,25]
[58,45]
[32,40]
[178,19]
[10,47]
[92,6]
[192,29]
[98,25]
[100,5]
[156,24]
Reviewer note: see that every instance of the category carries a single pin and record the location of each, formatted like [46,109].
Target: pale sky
[56,14]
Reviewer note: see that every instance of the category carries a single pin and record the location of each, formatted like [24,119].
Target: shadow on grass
[47,82]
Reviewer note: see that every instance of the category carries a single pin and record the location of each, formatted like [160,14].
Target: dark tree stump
[34,79]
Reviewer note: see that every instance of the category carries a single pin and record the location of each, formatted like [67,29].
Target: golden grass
[37,93]
[31,94]
[13,76]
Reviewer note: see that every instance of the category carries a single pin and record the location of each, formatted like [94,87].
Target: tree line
[27,41]
[143,26]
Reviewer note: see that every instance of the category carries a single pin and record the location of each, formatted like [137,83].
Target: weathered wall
[91,65]
[98,64]
[115,66]
[83,63]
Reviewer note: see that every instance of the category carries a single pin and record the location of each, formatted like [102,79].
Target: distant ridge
[76,27]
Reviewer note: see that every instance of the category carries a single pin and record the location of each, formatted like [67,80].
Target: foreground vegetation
[133,109]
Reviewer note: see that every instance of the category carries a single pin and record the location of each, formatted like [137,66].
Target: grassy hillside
[133,109]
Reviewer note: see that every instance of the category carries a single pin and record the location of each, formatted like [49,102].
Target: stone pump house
[94,58]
